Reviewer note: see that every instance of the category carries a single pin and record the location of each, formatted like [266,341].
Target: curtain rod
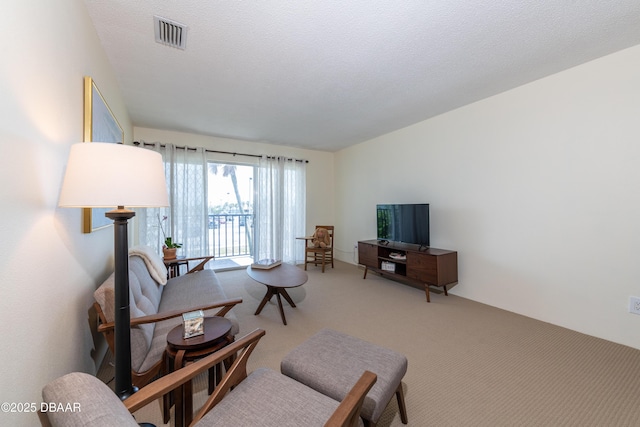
[219,152]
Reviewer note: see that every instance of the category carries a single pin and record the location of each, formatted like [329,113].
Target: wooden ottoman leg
[401,406]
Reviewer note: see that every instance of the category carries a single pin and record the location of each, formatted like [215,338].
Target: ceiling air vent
[170,33]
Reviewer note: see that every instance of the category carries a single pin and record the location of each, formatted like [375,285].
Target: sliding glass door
[231,215]
[233,211]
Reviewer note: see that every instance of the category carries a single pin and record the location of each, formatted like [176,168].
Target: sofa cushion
[144,292]
[267,398]
[183,293]
[144,298]
[87,402]
[150,289]
[155,264]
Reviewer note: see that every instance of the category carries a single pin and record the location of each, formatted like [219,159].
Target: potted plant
[170,247]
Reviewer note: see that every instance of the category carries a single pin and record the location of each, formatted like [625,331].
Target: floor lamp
[114,175]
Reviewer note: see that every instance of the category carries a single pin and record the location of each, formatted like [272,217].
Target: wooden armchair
[319,255]
[275,399]
[156,309]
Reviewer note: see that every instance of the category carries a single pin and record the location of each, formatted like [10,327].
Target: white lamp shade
[110,175]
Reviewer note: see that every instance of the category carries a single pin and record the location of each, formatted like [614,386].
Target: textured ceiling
[329,74]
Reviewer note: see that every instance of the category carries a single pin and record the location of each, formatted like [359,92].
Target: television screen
[408,223]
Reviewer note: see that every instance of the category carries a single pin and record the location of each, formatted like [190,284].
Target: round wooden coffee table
[183,350]
[277,280]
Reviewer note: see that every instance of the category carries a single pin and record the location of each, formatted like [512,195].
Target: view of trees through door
[230,203]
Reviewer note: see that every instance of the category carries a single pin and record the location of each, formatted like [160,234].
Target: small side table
[173,265]
[181,350]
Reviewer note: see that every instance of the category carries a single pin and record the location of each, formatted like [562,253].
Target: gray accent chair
[263,398]
[329,362]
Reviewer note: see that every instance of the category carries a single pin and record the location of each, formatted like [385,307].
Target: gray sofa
[157,308]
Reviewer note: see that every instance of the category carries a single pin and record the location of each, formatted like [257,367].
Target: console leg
[365,272]
[426,289]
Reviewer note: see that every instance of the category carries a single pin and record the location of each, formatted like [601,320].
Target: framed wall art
[100,127]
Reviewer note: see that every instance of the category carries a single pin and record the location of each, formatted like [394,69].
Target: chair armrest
[348,412]
[195,258]
[200,266]
[225,305]
[176,262]
[169,382]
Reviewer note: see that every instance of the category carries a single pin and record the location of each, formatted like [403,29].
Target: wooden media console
[411,264]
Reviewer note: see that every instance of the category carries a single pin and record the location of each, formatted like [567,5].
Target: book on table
[266,264]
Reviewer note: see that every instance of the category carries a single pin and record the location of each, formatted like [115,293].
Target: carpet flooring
[469,364]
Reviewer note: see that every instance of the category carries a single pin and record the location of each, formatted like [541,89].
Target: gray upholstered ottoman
[331,362]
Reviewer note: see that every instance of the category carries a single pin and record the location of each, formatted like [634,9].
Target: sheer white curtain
[280,209]
[186,219]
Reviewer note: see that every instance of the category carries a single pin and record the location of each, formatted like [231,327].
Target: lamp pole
[124,387]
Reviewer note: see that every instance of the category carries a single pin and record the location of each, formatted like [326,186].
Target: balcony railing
[231,235]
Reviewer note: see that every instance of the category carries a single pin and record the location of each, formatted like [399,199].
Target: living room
[534,188]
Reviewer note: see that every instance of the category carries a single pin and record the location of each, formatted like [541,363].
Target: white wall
[320,177]
[49,268]
[536,188]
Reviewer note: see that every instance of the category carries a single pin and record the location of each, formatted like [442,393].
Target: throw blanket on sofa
[154,263]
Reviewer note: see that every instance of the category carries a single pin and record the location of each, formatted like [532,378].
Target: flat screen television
[407,223]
